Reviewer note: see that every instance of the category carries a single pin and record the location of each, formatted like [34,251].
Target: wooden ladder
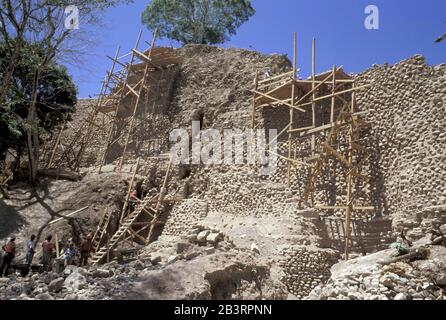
[125,227]
[101,230]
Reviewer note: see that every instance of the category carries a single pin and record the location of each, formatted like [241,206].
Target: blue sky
[407,27]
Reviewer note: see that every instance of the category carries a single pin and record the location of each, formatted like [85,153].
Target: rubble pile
[366,278]
[206,267]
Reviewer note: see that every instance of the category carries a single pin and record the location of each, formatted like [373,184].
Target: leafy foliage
[197,21]
[56,97]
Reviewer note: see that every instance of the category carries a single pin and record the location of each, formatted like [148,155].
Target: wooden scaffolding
[323,125]
[138,223]
[127,88]
[133,82]
[117,114]
[123,91]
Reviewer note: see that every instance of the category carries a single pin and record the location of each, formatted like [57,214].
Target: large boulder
[202,236]
[56,285]
[44,296]
[102,273]
[75,281]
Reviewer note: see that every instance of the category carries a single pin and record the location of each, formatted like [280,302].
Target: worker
[30,249]
[70,253]
[9,249]
[85,249]
[47,253]
[133,199]
[406,241]
[133,195]
[402,244]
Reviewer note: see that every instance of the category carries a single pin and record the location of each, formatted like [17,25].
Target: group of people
[69,255]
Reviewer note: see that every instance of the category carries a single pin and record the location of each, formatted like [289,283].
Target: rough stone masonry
[253,219]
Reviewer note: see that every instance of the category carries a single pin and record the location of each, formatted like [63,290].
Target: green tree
[197,21]
[55,98]
[44,22]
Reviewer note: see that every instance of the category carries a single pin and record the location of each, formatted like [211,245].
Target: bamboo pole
[337,94]
[56,237]
[293,93]
[108,248]
[270,92]
[349,208]
[282,102]
[313,85]
[277,136]
[313,104]
[160,200]
[333,99]
[67,216]
[53,153]
[283,75]
[256,81]
[127,197]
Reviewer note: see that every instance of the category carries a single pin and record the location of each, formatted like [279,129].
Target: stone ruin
[403,106]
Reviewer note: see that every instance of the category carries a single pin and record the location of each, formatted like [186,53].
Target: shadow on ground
[10,220]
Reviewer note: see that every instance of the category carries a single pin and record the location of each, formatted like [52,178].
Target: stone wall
[305,268]
[185,216]
[406,105]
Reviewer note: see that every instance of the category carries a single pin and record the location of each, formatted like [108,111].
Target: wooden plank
[51,223]
[359,208]
[301,129]
[277,100]
[141,55]
[336,94]
[132,90]
[278,82]
[283,75]
[292,160]
[277,89]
